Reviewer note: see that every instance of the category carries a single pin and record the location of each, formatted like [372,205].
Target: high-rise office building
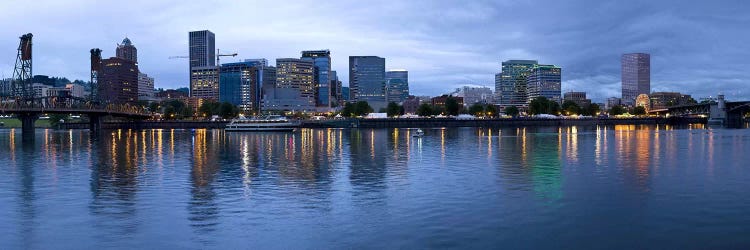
[118,81]
[127,51]
[202,48]
[204,83]
[202,55]
[544,80]
[238,85]
[510,83]
[322,61]
[397,85]
[145,87]
[367,80]
[636,76]
[295,89]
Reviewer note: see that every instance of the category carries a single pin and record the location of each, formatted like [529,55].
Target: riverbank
[403,123]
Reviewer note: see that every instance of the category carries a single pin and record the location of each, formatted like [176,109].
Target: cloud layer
[698,48]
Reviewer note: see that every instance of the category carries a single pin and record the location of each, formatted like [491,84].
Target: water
[570,187]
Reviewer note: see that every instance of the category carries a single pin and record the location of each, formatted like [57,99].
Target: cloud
[697,48]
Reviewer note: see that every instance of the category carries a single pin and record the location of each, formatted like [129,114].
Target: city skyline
[465,48]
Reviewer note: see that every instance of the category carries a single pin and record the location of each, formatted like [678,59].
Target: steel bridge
[28,106]
[29,110]
[730,114]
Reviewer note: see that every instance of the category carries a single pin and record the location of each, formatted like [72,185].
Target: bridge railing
[63,103]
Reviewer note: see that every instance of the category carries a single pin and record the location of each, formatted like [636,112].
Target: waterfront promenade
[403,123]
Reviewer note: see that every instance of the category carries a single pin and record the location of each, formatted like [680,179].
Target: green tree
[175,109]
[393,109]
[490,110]
[362,108]
[571,108]
[348,110]
[542,105]
[617,110]
[512,111]
[451,106]
[228,110]
[209,109]
[424,110]
[639,110]
[476,109]
[591,109]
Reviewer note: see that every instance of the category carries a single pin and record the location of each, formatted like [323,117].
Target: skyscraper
[202,48]
[202,61]
[238,85]
[636,76]
[544,80]
[510,83]
[322,61]
[118,81]
[127,51]
[367,80]
[397,85]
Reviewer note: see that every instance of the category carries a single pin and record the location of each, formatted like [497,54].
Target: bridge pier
[27,124]
[95,123]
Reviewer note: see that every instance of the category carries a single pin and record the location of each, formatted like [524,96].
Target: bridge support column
[95,123]
[27,124]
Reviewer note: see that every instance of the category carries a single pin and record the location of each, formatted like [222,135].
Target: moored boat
[259,124]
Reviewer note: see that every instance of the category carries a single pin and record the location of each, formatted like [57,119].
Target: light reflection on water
[623,185]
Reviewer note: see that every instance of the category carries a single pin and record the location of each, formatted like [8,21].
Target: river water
[544,187]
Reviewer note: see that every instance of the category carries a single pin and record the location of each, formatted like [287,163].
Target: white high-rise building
[145,87]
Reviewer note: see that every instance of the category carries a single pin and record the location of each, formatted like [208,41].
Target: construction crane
[176,57]
[219,55]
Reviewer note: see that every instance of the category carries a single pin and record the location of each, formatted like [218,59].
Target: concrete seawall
[517,122]
[403,123]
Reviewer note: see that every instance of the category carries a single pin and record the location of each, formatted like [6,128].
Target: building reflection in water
[368,150]
[203,208]
[529,159]
[114,182]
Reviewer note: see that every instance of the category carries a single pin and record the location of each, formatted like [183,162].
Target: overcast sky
[700,48]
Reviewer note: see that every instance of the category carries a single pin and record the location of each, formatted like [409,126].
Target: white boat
[419,133]
[267,123]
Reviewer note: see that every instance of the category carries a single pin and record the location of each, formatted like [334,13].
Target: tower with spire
[127,51]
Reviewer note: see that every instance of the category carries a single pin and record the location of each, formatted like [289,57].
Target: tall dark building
[367,80]
[127,51]
[636,76]
[322,61]
[118,81]
[397,85]
[202,48]
[202,60]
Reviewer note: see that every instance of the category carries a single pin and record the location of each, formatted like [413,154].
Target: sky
[697,47]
